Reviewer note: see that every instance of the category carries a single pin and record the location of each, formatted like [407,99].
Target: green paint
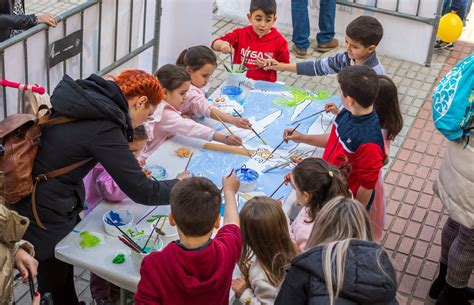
[88,240]
[119,258]
[299,95]
[155,217]
[133,234]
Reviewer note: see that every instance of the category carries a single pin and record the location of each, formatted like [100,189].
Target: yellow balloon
[450,27]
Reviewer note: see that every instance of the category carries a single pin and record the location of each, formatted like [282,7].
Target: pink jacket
[301,229]
[167,121]
[99,186]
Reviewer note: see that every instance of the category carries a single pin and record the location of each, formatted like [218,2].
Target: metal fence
[115,32]
[398,9]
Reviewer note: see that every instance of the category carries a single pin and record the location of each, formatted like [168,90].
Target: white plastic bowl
[137,258]
[122,218]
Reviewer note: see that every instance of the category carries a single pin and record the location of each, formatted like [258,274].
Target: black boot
[453,296]
[440,281]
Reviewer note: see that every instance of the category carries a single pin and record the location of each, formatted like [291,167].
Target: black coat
[101,131]
[364,281]
[9,22]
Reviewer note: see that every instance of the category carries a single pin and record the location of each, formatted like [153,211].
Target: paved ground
[414,216]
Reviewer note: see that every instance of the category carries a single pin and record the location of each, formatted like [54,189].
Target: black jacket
[364,282]
[100,131]
[9,22]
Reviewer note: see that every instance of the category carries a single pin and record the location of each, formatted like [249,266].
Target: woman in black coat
[105,114]
[13,19]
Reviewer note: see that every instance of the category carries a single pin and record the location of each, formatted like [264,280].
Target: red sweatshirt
[272,44]
[178,275]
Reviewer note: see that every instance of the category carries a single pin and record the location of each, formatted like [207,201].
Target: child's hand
[287,178]
[238,286]
[226,48]
[47,19]
[147,172]
[331,107]
[242,123]
[233,140]
[230,183]
[273,64]
[293,136]
[183,175]
[296,159]
[36,298]
[141,163]
[24,262]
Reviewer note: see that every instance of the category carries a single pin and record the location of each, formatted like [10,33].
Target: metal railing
[32,47]
[378,7]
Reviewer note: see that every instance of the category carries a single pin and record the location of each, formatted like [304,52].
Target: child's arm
[363,195]
[230,186]
[148,292]
[229,139]
[319,140]
[325,66]
[108,188]
[369,160]
[226,43]
[239,122]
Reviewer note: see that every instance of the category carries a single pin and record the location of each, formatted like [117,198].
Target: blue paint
[246,175]
[115,217]
[231,90]
[158,172]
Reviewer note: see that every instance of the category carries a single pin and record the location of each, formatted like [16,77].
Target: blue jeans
[459,6]
[300,19]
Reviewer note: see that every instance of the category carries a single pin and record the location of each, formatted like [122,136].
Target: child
[267,251]
[315,182]
[100,186]
[195,269]
[363,35]
[387,108]
[168,120]
[343,265]
[259,39]
[201,62]
[356,139]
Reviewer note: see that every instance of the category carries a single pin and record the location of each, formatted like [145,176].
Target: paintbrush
[286,163]
[189,161]
[228,129]
[307,117]
[147,213]
[149,236]
[124,234]
[31,285]
[281,143]
[263,141]
[128,244]
[231,60]
[159,232]
[278,188]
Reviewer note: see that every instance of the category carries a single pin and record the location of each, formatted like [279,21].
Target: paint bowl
[152,246]
[121,218]
[248,179]
[158,172]
[235,79]
[170,232]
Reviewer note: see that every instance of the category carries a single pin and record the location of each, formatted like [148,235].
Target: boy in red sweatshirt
[195,269]
[257,40]
[356,140]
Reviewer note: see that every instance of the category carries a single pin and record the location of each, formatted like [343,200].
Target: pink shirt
[301,229]
[99,186]
[167,121]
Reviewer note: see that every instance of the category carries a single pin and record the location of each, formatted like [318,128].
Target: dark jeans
[301,24]
[459,6]
[57,277]
[100,288]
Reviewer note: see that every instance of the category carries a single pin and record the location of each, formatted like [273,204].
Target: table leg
[123,296]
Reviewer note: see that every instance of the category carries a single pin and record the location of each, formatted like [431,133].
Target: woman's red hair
[139,83]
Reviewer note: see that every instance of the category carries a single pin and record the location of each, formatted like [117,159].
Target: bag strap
[50,175]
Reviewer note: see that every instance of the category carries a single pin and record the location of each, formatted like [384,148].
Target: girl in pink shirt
[184,98]
[315,182]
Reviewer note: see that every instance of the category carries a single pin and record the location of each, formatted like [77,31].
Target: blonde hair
[265,235]
[340,220]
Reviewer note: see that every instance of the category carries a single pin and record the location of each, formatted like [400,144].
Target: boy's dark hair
[387,107]
[197,57]
[172,77]
[269,7]
[195,205]
[139,133]
[359,82]
[366,30]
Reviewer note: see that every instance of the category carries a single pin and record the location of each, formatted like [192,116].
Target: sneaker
[441,45]
[322,48]
[299,53]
